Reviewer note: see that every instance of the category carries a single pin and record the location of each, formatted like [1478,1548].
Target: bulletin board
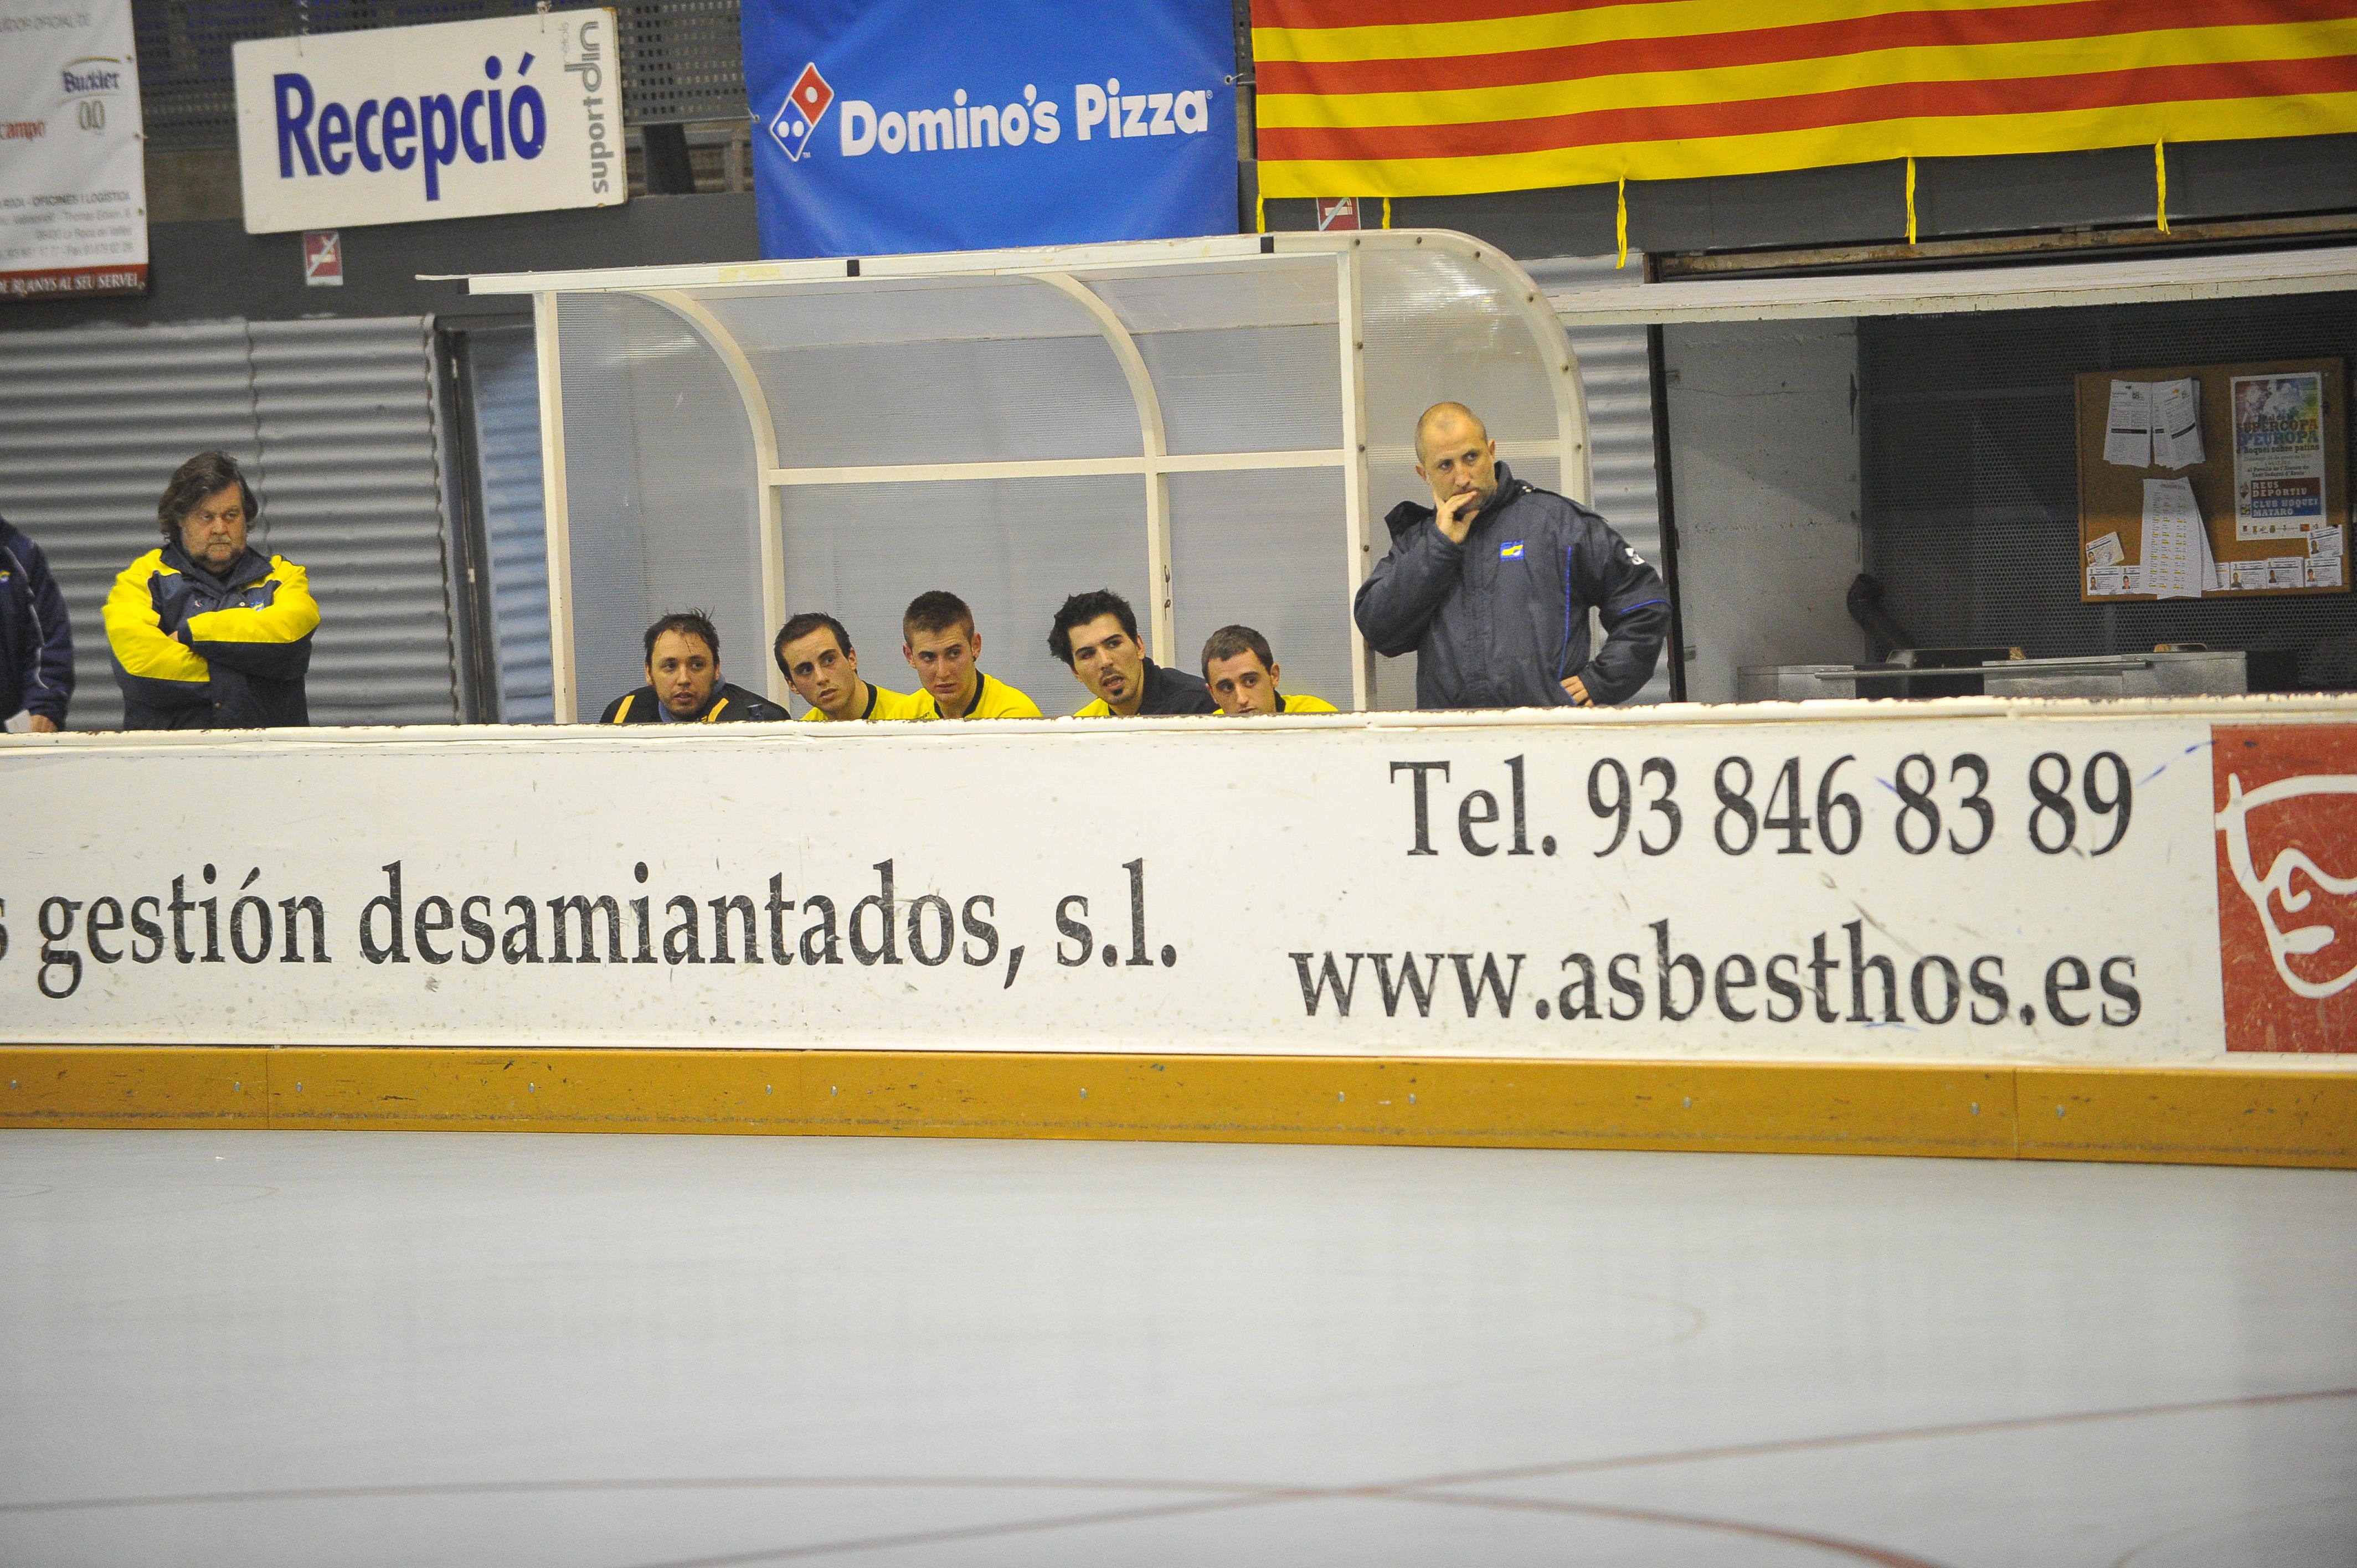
[2302,536]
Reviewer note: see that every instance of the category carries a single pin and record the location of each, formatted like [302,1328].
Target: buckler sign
[461,120]
[73,178]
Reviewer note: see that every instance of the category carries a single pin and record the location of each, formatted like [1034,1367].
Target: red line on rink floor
[1857,1549]
[1892,1434]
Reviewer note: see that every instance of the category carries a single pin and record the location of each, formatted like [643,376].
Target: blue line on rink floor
[310,1348]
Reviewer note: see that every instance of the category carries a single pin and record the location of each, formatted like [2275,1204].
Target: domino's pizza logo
[796,121]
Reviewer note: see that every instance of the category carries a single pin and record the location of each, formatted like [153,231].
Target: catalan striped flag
[1441,97]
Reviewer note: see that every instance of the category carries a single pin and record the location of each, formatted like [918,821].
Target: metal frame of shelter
[684,291]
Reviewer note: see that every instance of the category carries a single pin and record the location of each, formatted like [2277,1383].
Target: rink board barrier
[2009,887]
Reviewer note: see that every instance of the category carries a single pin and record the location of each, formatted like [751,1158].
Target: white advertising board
[406,125]
[73,172]
[2062,881]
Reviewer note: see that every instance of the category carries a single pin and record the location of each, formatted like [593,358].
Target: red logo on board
[2287,802]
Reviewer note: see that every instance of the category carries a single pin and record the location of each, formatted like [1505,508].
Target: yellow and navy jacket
[727,705]
[193,650]
[1167,692]
[992,700]
[884,704]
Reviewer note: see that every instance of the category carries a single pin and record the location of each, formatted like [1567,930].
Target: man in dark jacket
[684,684]
[1490,586]
[207,632]
[36,676]
[1095,634]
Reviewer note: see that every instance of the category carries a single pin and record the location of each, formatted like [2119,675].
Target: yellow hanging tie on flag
[2160,187]
[1911,202]
[1620,224]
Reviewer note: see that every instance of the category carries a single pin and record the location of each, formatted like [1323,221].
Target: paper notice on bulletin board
[2242,490]
[2278,455]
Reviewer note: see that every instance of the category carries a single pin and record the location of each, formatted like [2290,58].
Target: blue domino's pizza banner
[891,125]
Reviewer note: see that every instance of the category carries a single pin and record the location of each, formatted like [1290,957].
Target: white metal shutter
[351,491]
[333,423]
[1618,378]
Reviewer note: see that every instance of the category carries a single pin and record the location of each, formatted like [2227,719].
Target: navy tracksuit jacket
[36,639]
[1499,621]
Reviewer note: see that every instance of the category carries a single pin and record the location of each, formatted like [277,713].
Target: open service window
[1897,484]
[1214,428]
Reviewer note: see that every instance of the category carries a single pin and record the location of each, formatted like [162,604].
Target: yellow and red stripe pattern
[1445,97]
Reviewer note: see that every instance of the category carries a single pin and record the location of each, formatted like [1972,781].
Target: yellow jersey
[884,704]
[1302,705]
[992,700]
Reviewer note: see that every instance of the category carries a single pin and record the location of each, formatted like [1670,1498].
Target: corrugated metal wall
[505,378]
[352,491]
[333,421]
[1617,375]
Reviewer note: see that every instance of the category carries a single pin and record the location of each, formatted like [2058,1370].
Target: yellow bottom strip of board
[2219,1116]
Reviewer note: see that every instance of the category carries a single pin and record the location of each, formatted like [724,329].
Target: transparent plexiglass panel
[1243,358]
[1442,327]
[978,371]
[1266,291]
[1267,389]
[1012,549]
[660,491]
[1267,550]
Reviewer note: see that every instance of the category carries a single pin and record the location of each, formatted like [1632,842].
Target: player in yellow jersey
[941,645]
[1242,672]
[1095,634]
[816,655]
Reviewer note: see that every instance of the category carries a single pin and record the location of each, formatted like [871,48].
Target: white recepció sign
[73,172]
[1995,888]
[406,124]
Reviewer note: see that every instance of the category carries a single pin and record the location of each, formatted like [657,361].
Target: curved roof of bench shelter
[718,419]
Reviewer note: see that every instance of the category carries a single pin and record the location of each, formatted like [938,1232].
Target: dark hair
[207,473]
[1082,609]
[935,611]
[802,626]
[687,623]
[1231,640]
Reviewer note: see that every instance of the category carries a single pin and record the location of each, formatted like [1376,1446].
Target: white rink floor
[321,1348]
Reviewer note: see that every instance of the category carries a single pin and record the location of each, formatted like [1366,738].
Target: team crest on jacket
[1511,550]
